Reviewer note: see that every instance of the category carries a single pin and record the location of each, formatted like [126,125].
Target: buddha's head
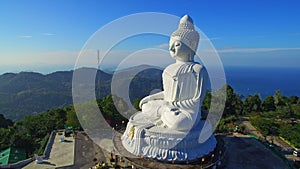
[184,41]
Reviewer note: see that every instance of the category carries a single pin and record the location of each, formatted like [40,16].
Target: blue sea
[264,81]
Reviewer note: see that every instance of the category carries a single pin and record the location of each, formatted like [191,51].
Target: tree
[226,124]
[72,119]
[291,133]
[252,104]
[224,101]
[5,135]
[120,104]
[60,117]
[109,110]
[206,101]
[136,104]
[266,126]
[24,141]
[287,111]
[4,123]
[293,99]
[269,104]
[278,99]
[296,109]
[233,104]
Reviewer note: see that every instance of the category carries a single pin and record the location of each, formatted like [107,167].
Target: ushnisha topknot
[186,33]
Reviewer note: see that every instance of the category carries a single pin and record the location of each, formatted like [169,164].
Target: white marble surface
[169,126]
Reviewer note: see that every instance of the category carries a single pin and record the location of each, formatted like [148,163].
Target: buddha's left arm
[202,81]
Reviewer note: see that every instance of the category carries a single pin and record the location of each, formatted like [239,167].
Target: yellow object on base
[131,133]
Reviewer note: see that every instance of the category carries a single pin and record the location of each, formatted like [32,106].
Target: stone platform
[61,154]
[207,161]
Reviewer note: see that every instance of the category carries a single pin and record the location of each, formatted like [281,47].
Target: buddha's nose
[172,48]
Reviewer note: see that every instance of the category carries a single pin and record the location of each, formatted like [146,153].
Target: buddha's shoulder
[197,67]
[173,66]
[175,69]
[180,65]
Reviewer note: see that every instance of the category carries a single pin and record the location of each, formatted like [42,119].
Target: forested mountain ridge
[28,93]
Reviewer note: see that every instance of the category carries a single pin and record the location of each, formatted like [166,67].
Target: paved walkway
[86,153]
[62,154]
[248,153]
[251,129]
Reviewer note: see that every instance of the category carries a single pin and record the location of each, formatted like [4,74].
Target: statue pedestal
[165,144]
[210,160]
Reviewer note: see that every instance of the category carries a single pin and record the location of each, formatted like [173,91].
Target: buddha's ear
[192,54]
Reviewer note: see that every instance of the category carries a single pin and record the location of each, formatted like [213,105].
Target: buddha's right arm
[156,96]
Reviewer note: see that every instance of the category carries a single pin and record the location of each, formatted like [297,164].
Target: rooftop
[12,155]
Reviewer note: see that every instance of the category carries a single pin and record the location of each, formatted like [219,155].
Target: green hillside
[27,93]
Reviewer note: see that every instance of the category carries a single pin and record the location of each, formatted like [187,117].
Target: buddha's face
[180,51]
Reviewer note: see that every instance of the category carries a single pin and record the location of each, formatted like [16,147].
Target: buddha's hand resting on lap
[173,108]
[156,96]
[147,99]
[143,101]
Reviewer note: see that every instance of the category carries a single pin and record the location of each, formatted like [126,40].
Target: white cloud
[166,45]
[88,58]
[294,34]
[259,36]
[25,36]
[48,34]
[254,50]
[163,45]
[29,58]
[151,56]
[209,39]
[124,58]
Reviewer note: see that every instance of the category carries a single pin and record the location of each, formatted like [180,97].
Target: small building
[12,155]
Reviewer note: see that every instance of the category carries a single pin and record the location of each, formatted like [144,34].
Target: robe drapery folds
[185,86]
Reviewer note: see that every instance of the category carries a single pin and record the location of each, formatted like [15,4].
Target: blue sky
[46,36]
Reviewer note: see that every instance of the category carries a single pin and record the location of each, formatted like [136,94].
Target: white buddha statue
[169,123]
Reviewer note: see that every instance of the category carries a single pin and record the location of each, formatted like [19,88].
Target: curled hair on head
[186,33]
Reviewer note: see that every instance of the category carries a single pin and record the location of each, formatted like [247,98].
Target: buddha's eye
[177,44]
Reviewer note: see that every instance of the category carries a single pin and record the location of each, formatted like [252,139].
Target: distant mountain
[143,79]
[27,93]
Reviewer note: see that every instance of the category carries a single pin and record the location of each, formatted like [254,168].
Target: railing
[19,164]
[49,144]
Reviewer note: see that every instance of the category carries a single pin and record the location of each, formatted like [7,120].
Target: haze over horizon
[47,37]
